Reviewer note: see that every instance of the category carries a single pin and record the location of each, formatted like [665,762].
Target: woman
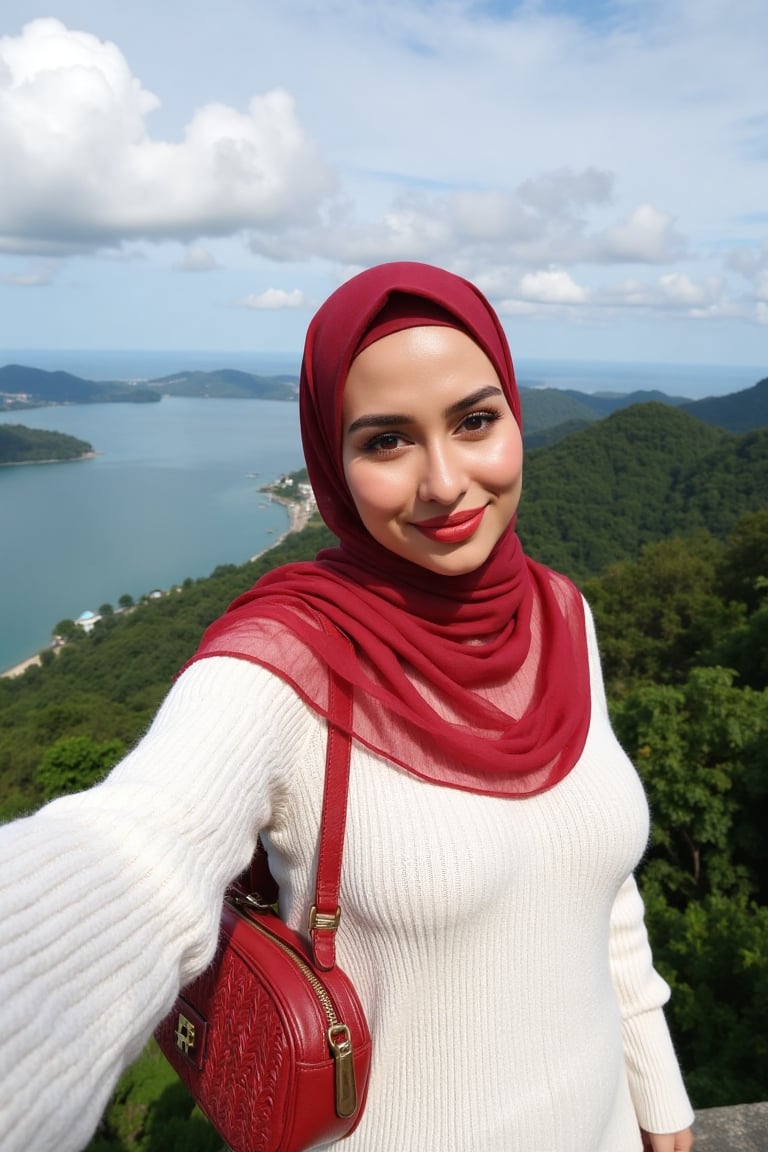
[491,923]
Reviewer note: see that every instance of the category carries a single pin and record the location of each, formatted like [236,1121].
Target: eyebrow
[395,419]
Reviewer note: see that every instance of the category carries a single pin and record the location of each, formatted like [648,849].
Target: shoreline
[20,669]
[299,514]
[55,460]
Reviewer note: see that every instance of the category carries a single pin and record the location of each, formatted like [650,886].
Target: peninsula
[22,445]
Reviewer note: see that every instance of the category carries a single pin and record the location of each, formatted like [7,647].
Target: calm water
[168,497]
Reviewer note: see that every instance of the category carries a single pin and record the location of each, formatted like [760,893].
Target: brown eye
[383,443]
[478,421]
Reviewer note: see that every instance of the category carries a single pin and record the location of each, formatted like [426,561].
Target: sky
[188,175]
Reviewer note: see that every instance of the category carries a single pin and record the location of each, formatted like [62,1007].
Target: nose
[443,479]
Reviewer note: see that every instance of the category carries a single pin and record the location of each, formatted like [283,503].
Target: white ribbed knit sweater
[498,945]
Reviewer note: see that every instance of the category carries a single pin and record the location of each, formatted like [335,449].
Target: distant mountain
[22,387]
[739,412]
[549,408]
[549,436]
[643,473]
[229,384]
[604,403]
[550,414]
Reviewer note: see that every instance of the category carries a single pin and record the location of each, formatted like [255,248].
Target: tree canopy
[644,473]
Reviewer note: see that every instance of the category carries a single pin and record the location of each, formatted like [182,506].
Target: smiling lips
[453,529]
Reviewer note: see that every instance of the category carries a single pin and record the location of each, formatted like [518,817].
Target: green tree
[74,763]
[125,601]
[66,629]
[695,746]
[714,954]
[656,614]
[745,649]
[744,567]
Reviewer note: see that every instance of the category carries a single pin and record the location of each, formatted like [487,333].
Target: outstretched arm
[111,899]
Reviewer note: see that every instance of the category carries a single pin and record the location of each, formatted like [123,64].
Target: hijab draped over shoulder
[477,681]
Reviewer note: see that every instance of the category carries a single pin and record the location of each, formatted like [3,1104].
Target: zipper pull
[346,1090]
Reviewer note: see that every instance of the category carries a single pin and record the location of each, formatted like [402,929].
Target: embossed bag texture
[250,1039]
[271,1039]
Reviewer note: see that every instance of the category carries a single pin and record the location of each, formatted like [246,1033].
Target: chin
[459,561]
[453,568]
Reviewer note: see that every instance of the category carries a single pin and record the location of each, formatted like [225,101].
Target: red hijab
[478,681]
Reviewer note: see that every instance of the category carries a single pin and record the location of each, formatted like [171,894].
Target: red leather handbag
[272,1040]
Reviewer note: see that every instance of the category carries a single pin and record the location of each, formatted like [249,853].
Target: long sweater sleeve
[110,899]
[653,1073]
[655,1082]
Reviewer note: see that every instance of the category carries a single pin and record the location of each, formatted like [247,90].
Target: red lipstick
[454,529]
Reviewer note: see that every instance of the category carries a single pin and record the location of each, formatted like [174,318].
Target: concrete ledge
[743,1128]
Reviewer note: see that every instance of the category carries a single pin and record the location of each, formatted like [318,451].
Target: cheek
[503,464]
[375,491]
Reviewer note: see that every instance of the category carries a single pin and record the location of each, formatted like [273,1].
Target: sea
[176,488]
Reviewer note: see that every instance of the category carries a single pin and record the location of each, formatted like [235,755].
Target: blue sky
[197,176]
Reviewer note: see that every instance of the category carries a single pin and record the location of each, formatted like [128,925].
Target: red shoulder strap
[325,912]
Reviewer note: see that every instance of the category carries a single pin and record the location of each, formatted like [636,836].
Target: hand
[668,1142]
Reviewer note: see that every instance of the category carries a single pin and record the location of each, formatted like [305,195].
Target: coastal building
[87,621]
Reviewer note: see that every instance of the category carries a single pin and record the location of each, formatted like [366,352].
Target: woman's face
[432,453]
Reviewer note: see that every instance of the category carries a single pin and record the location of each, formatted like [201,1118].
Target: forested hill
[738,413]
[644,473]
[20,445]
[24,387]
[549,414]
[604,403]
[227,384]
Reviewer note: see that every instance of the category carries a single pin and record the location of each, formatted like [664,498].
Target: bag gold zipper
[339,1039]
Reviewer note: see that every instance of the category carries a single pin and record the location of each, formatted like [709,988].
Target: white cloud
[197,259]
[648,236]
[554,291]
[488,216]
[543,221]
[275,299]
[80,170]
[680,289]
[554,286]
[752,265]
[672,291]
[630,292]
